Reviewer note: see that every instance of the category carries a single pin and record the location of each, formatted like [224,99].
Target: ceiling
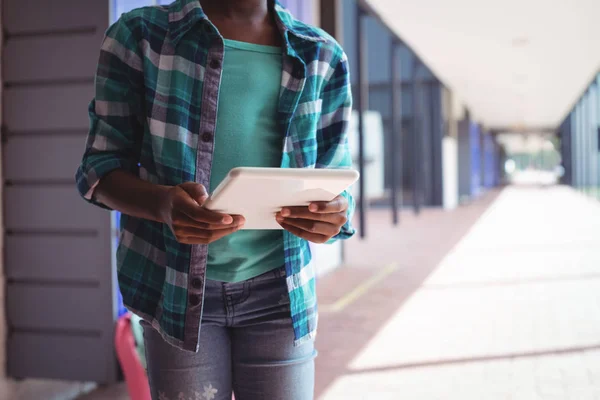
[516,64]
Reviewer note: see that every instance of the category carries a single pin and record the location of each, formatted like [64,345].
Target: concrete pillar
[331,18]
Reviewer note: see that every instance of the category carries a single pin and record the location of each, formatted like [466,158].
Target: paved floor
[392,262]
[512,311]
[496,300]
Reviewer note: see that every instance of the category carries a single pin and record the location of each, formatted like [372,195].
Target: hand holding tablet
[181,208]
[318,222]
[265,195]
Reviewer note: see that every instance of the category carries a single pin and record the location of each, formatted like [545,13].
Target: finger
[189,207]
[339,204]
[290,212]
[318,227]
[207,237]
[311,237]
[182,221]
[338,219]
[193,196]
[196,191]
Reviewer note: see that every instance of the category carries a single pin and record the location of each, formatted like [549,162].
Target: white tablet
[259,193]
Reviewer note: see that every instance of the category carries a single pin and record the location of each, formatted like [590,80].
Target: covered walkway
[499,299]
[510,311]
[495,299]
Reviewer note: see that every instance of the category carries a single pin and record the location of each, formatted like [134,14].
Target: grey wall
[60,283]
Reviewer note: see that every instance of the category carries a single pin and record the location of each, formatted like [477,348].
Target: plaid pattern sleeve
[114,125]
[332,132]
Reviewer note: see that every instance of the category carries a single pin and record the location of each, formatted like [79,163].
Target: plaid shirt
[154,114]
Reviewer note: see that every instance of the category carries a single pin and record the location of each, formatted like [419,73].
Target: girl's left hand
[318,222]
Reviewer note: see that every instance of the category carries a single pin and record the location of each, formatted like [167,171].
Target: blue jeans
[246,347]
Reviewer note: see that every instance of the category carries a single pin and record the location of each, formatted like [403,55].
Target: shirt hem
[306,338]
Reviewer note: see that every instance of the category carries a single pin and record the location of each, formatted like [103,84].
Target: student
[184,93]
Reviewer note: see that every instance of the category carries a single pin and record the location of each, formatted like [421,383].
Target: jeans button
[195,300]
[197,283]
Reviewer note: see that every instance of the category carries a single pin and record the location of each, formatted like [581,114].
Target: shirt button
[215,64]
[194,300]
[197,283]
[207,137]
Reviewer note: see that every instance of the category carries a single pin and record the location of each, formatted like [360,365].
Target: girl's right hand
[181,209]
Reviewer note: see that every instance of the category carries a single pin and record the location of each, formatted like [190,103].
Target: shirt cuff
[93,169]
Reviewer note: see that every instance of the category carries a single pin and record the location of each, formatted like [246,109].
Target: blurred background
[474,274]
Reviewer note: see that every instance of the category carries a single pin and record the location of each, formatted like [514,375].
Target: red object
[135,374]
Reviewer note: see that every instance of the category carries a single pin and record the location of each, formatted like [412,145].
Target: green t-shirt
[247,135]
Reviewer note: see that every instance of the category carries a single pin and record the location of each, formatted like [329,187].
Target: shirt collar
[185,14]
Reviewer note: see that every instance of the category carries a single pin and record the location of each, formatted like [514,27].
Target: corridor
[499,299]
[512,311]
